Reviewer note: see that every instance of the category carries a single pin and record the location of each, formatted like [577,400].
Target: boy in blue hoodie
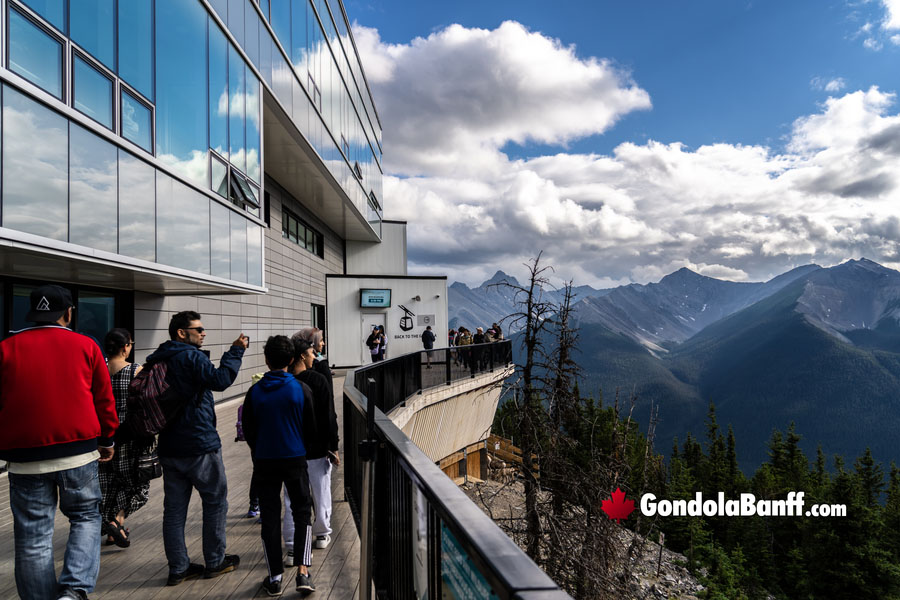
[278,417]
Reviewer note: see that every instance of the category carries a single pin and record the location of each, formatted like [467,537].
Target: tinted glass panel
[219,177]
[220,240]
[137,208]
[93,92]
[92,190]
[237,100]
[218,90]
[182,225]
[137,122]
[35,167]
[21,304]
[52,10]
[298,36]
[265,54]
[264,7]
[236,19]
[238,247]
[221,7]
[254,254]
[93,27]
[34,54]
[281,21]
[252,131]
[136,44]
[251,33]
[181,106]
[95,315]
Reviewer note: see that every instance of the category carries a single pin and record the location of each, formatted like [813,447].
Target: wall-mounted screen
[372,298]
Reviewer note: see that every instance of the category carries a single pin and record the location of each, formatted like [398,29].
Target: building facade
[164,155]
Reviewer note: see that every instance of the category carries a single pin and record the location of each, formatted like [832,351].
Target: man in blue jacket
[190,450]
[279,424]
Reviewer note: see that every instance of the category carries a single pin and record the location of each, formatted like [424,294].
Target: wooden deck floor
[140,572]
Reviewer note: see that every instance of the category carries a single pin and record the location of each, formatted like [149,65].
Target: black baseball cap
[49,303]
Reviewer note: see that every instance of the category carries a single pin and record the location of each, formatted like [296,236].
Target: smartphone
[248,340]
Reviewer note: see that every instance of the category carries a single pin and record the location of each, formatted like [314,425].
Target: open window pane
[137,122]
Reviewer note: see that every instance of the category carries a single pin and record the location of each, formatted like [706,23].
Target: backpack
[152,402]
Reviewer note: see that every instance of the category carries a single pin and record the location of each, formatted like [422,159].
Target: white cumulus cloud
[450,104]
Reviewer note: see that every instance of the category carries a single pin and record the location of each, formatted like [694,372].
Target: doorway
[369,322]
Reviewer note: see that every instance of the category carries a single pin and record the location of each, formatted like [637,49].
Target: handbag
[147,465]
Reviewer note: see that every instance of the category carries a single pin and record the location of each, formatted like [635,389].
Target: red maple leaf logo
[618,508]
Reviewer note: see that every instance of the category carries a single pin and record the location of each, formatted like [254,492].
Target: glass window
[137,208]
[236,19]
[266,46]
[92,91]
[136,44]
[181,105]
[92,26]
[21,304]
[92,190]
[252,131]
[297,46]
[237,98]
[35,167]
[182,225]
[52,10]
[220,240]
[254,254]
[137,122]
[35,54]
[281,20]
[251,33]
[238,247]
[264,7]
[318,316]
[221,7]
[248,194]
[219,183]
[95,314]
[218,90]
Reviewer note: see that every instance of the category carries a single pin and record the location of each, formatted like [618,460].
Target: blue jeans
[181,475]
[32,499]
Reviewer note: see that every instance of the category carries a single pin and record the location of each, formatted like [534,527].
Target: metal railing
[421,537]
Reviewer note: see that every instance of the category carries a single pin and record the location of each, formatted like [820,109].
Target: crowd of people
[65,432]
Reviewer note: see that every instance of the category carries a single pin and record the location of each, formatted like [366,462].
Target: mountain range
[819,347]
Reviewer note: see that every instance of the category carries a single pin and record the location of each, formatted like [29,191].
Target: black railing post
[447,365]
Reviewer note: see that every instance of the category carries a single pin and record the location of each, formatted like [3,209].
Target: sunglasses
[197,329]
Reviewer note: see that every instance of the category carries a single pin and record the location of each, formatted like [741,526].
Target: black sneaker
[228,564]
[72,594]
[194,571]
[305,584]
[273,588]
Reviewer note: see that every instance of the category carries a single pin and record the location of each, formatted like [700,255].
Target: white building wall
[348,325]
[387,257]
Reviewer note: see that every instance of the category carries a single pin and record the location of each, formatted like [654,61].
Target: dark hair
[180,321]
[115,341]
[301,347]
[278,351]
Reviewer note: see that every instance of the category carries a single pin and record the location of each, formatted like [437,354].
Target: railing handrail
[510,572]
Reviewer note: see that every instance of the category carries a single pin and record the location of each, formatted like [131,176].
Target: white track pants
[320,483]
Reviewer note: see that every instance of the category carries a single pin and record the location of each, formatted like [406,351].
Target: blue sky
[710,74]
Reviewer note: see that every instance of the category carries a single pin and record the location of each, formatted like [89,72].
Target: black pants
[270,474]
[254,489]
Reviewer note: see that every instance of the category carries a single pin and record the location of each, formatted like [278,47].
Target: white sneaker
[322,541]
[289,559]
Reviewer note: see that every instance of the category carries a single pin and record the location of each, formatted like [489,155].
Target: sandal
[118,533]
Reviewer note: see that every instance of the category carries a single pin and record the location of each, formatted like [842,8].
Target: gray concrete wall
[295,279]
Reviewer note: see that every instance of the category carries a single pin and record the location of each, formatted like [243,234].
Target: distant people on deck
[123,494]
[428,339]
[373,343]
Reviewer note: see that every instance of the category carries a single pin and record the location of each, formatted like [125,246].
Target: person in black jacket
[428,339]
[322,448]
[279,424]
